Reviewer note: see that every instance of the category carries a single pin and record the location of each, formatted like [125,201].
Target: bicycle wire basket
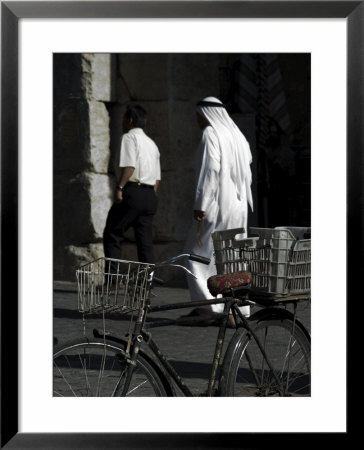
[112,285]
[278,258]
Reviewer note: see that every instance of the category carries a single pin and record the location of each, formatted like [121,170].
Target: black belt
[135,183]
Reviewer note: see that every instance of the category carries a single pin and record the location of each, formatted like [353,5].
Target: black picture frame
[11,12]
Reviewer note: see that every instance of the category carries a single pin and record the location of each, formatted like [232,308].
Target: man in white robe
[223,191]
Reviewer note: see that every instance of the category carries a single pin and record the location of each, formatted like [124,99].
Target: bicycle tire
[93,368]
[245,372]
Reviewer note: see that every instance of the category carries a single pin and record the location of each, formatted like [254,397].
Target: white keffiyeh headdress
[235,151]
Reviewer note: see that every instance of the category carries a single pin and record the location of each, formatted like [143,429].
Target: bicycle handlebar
[200,259]
[191,256]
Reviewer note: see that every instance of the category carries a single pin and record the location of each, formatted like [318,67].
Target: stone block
[81,204]
[99,137]
[67,77]
[116,113]
[71,136]
[157,128]
[175,205]
[185,135]
[72,209]
[69,258]
[194,76]
[81,137]
[103,82]
[86,75]
[101,197]
[145,75]
[122,94]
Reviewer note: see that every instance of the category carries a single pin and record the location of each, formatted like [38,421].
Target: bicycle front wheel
[98,369]
[246,372]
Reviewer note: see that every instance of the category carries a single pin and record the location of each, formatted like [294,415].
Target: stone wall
[81,158]
[91,91]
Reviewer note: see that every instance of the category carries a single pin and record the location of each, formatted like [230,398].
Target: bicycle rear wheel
[96,369]
[245,371]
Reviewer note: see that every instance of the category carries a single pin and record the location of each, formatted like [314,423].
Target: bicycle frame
[219,343]
[142,334]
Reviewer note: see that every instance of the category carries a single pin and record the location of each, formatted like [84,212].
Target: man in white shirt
[135,197]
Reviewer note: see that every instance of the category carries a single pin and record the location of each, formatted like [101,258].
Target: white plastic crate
[279,258]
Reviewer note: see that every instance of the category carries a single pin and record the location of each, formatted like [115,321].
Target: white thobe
[216,194]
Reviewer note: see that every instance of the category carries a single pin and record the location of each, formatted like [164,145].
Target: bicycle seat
[221,284]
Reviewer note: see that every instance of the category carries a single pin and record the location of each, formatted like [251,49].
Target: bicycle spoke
[101,372]
[65,380]
[263,359]
[99,369]
[268,361]
[136,387]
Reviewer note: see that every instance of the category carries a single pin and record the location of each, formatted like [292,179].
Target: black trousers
[136,210]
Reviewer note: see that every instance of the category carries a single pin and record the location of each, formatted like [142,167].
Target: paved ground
[189,348]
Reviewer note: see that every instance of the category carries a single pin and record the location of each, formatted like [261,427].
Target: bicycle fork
[218,349]
[135,340]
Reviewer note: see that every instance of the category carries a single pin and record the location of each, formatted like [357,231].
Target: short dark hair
[137,114]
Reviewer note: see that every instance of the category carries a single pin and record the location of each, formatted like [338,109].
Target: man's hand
[199,215]
[127,172]
[118,196]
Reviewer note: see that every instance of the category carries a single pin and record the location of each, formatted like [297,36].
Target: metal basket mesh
[112,285]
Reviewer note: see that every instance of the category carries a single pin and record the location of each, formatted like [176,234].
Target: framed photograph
[36,39]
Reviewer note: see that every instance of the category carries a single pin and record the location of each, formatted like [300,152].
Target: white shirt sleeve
[128,151]
[208,172]
[158,171]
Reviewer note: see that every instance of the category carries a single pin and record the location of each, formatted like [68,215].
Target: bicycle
[268,355]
